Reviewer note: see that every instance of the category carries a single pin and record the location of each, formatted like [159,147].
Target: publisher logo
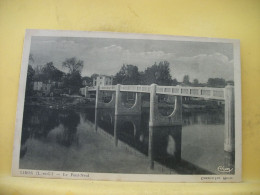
[223,169]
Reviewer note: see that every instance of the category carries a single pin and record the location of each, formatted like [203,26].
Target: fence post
[229,143]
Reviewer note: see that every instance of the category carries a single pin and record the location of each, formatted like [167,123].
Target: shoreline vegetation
[79,102]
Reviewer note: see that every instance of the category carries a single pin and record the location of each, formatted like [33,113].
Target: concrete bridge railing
[200,92]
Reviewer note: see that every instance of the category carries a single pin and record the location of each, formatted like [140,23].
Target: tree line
[160,74]
[157,73]
[72,80]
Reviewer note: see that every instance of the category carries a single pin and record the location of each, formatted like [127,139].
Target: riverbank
[63,102]
[67,102]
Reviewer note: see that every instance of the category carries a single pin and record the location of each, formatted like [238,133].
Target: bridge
[175,118]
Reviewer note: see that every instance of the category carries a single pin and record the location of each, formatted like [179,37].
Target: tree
[30,77]
[158,74]
[87,81]
[48,72]
[127,75]
[29,81]
[94,76]
[51,72]
[73,81]
[230,82]
[216,82]
[73,65]
[31,59]
[174,82]
[186,79]
[196,82]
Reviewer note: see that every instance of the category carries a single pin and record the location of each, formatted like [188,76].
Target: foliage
[174,82]
[195,82]
[127,75]
[158,74]
[29,81]
[87,81]
[94,75]
[186,80]
[73,65]
[48,72]
[216,82]
[51,72]
[73,81]
[31,59]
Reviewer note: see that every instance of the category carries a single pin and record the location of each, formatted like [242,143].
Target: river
[65,140]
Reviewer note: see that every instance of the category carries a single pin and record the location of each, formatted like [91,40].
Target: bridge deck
[201,92]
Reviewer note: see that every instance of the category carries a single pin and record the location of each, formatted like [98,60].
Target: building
[37,86]
[56,84]
[102,80]
[83,91]
[46,88]
[42,88]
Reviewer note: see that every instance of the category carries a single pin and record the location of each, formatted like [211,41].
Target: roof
[102,75]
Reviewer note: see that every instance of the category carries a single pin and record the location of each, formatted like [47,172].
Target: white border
[126,177]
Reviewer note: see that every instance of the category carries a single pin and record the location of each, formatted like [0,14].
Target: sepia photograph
[131,107]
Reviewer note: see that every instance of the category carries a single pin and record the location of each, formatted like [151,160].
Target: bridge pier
[135,120]
[121,110]
[99,99]
[100,104]
[229,144]
[229,134]
[157,120]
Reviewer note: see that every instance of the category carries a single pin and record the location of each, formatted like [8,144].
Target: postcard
[128,107]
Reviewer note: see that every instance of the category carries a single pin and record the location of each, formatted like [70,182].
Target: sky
[199,60]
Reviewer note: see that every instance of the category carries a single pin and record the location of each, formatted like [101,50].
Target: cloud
[204,66]
[112,48]
[106,56]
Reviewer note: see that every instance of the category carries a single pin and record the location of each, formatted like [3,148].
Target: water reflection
[196,147]
[70,121]
[38,122]
[208,117]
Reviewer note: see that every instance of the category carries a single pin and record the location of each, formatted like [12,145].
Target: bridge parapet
[156,118]
[122,110]
[108,88]
[200,92]
[92,88]
[136,88]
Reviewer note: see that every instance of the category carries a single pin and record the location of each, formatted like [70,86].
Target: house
[56,84]
[42,88]
[87,81]
[46,88]
[84,92]
[37,86]
[102,80]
